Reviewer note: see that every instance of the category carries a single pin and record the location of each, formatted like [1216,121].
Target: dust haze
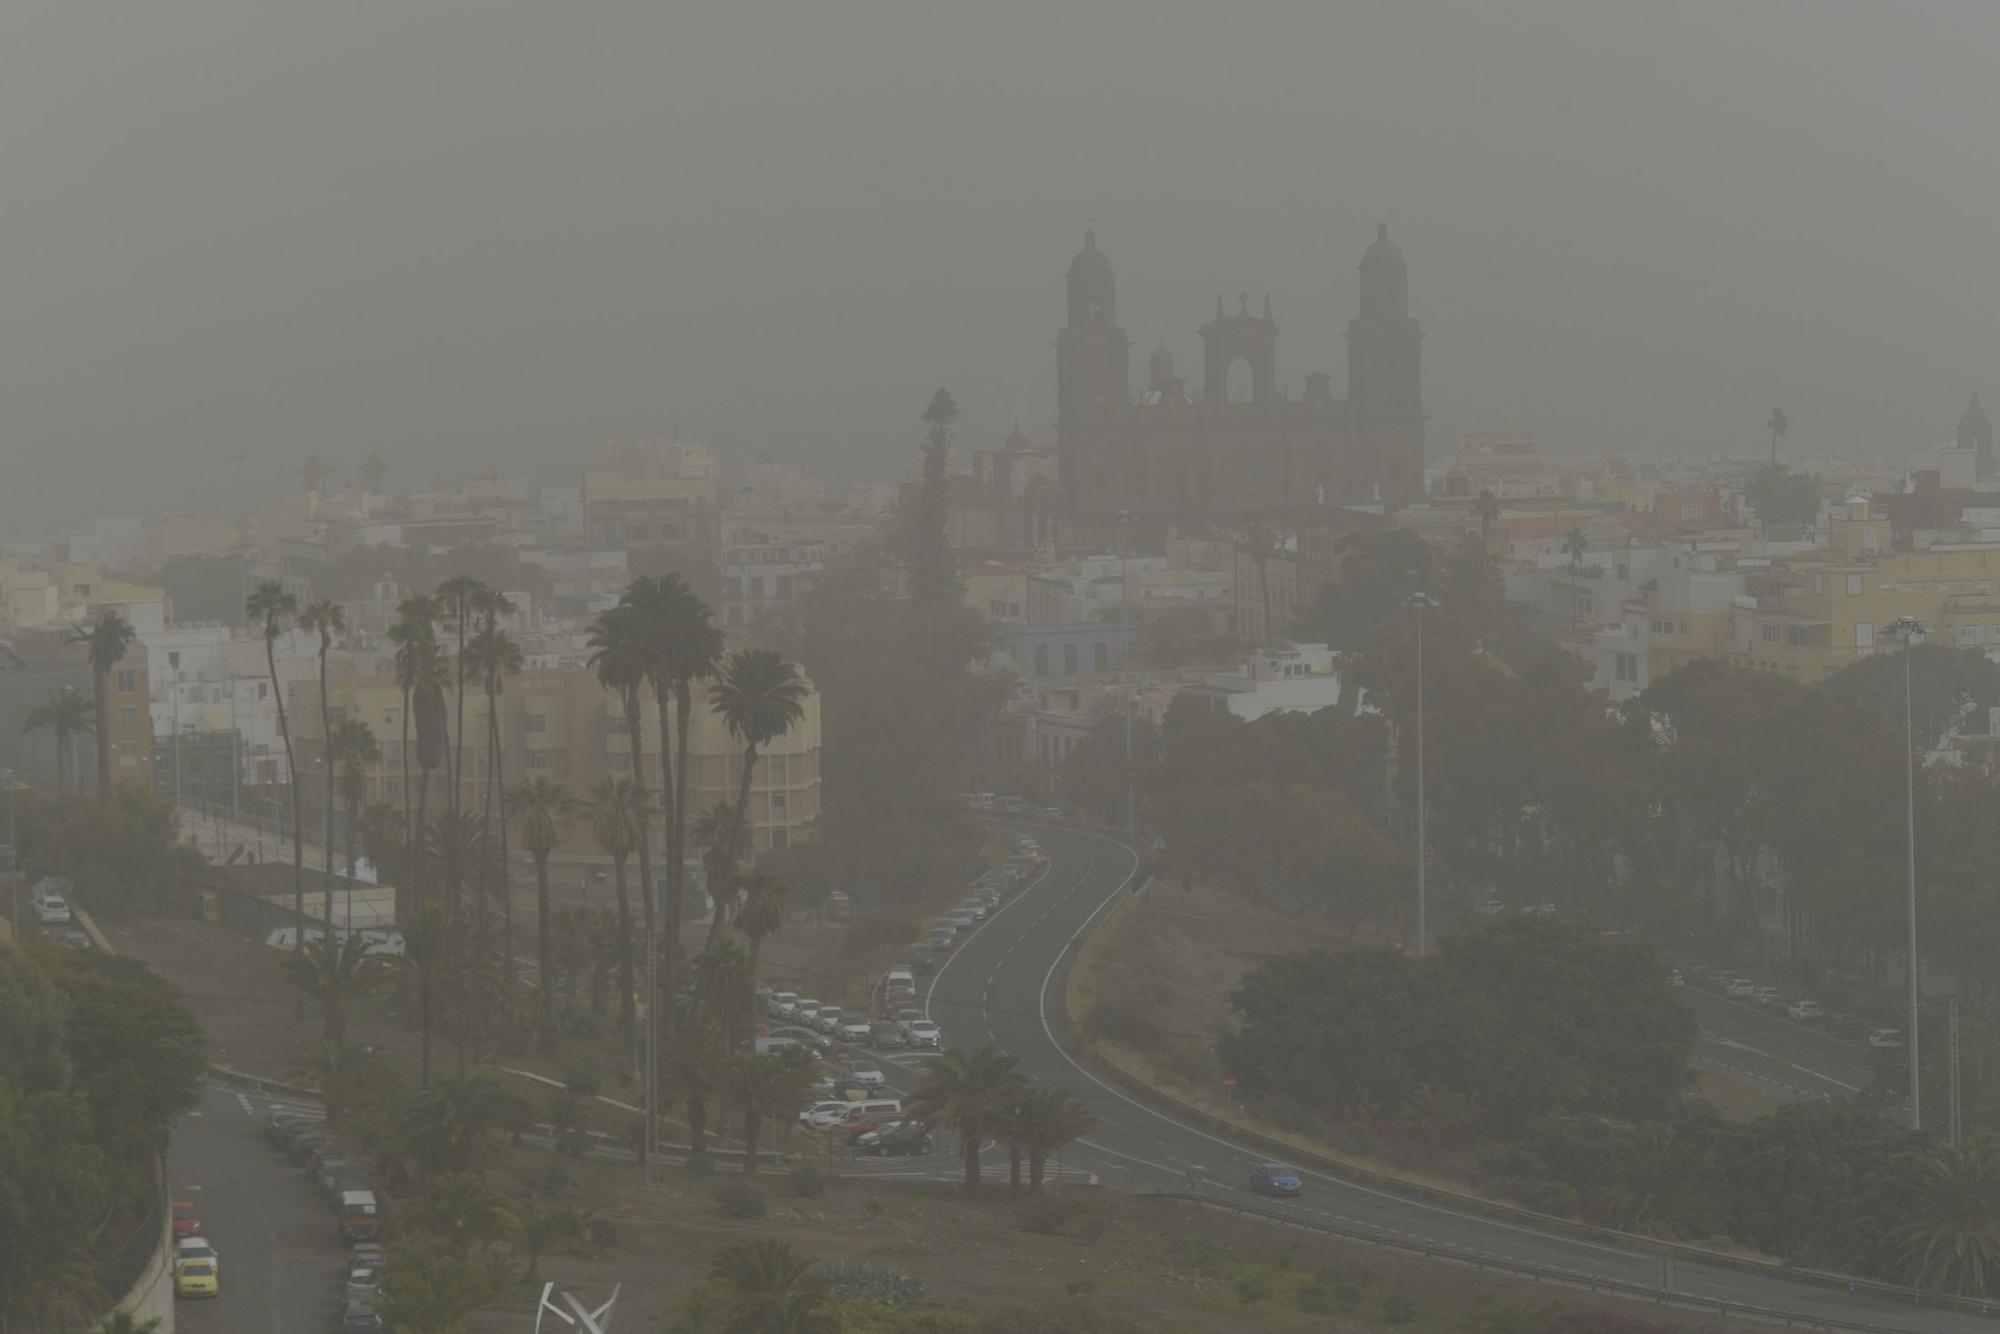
[491,235]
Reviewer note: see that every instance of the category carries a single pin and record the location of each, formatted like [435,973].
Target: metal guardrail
[1717,1306]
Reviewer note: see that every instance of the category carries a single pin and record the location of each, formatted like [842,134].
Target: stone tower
[1384,376]
[1093,357]
[1975,433]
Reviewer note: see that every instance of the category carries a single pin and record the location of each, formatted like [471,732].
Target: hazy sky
[487,235]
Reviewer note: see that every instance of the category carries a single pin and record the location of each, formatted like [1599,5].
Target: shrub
[854,1280]
[1398,1309]
[739,1199]
[700,1164]
[1252,1287]
[875,1208]
[1544,1197]
[1126,1025]
[1316,1299]
[805,1181]
[1049,1214]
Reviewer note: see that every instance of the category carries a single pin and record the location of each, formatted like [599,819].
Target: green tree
[1952,1241]
[423,962]
[498,656]
[137,1051]
[772,1287]
[694,1069]
[462,596]
[1781,497]
[435,1292]
[456,1124]
[418,674]
[543,807]
[769,1085]
[540,1227]
[66,714]
[1777,426]
[353,751]
[616,818]
[334,972]
[962,1089]
[270,606]
[1046,1120]
[1485,508]
[620,641]
[1663,1186]
[324,619]
[759,696]
[933,572]
[761,912]
[105,644]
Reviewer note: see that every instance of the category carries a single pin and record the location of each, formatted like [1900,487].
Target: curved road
[1004,986]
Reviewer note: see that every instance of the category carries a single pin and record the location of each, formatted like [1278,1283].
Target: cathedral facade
[1240,449]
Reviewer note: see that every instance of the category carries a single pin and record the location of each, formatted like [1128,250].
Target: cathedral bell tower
[1385,382]
[1093,357]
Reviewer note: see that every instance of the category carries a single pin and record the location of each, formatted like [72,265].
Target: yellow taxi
[197,1278]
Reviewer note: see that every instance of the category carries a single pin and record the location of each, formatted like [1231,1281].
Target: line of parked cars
[1800,1009]
[357,1211]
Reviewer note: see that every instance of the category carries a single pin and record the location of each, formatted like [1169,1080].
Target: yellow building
[560,724]
[196,535]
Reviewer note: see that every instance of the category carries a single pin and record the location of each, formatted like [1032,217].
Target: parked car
[361,1285]
[829,1019]
[920,958]
[871,1128]
[53,911]
[905,1016]
[885,1034]
[1740,987]
[1769,996]
[1674,978]
[1847,1026]
[360,1216]
[1489,907]
[958,918]
[822,1114]
[187,1223]
[805,1012]
[864,1073]
[975,908]
[900,980]
[942,937]
[197,1278]
[901,1140]
[196,1248]
[1884,1039]
[367,1255]
[781,1004]
[279,1125]
[856,1028]
[359,1318]
[1275,1179]
[1803,1010]
[342,1179]
[924,1033]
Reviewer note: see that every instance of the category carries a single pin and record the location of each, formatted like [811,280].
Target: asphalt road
[282,1261]
[1761,1046]
[1004,986]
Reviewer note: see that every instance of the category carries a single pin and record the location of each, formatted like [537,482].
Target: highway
[282,1267]
[1004,985]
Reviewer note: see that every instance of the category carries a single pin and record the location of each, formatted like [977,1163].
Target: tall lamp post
[1907,628]
[1126,518]
[1416,602]
[174,661]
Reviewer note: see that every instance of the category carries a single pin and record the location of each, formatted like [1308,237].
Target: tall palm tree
[105,642]
[963,1088]
[722,985]
[682,646]
[416,622]
[772,1084]
[1574,547]
[498,656]
[616,817]
[334,972]
[462,596]
[455,1125]
[723,843]
[694,1066]
[1953,1242]
[65,714]
[433,751]
[759,695]
[543,807]
[324,618]
[618,656]
[762,910]
[352,751]
[272,607]
[380,828]
[1777,426]
[422,960]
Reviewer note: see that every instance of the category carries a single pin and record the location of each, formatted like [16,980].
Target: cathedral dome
[1382,254]
[1090,262]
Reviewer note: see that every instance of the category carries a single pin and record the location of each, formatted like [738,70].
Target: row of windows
[1100,658]
[1667,628]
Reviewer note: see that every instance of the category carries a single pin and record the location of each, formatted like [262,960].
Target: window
[1971,634]
[777,804]
[1864,634]
[392,752]
[1069,660]
[1854,585]
[618,725]
[1869,541]
[128,754]
[1691,511]
[1101,654]
[128,680]
[1770,633]
[392,788]
[1041,660]
[128,717]
[1795,635]
[539,722]
[1819,583]
[1627,667]
[538,759]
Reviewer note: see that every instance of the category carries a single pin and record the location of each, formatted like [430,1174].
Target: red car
[187,1223]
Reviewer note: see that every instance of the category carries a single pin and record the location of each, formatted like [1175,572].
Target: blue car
[1275,1179]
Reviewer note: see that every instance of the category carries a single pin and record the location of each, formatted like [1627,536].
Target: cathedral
[1241,449]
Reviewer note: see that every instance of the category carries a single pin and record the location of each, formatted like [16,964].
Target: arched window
[1242,381]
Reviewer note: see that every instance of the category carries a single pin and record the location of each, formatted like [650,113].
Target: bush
[1398,1309]
[1316,1299]
[875,1208]
[853,1280]
[701,1165]
[739,1199]
[1251,1288]
[1544,1197]
[805,1181]
[1047,1215]
[1126,1025]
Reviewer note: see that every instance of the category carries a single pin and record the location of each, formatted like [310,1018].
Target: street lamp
[1907,628]
[174,661]
[1126,518]
[1416,602]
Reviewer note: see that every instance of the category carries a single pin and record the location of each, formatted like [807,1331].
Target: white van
[899,980]
[871,1107]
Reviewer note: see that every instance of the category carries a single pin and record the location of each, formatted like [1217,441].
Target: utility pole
[1908,628]
[1952,1012]
[174,661]
[1417,602]
[1125,519]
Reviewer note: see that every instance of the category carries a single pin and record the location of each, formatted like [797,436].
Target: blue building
[1052,652]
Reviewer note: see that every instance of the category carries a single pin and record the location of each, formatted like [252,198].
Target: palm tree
[722,984]
[342,1070]
[772,1286]
[324,618]
[433,752]
[498,656]
[65,714]
[618,656]
[1777,426]
[334,972]
[759,695]
[771,1084]
[105,643]
[381,828]
[414,626]
[543,807]
[459,1212]
[615,817]
[962,1089]
[682,645]
[270,605]
[542,1227]
[762,911]
[1486,508]
[1953,1242]
[441,1292]
[1659,1188]
[422,959]
[1574,547]
[352,751]
[462,596]
[1046,1120]
[723,843]
[455,1124]
[694,1066]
